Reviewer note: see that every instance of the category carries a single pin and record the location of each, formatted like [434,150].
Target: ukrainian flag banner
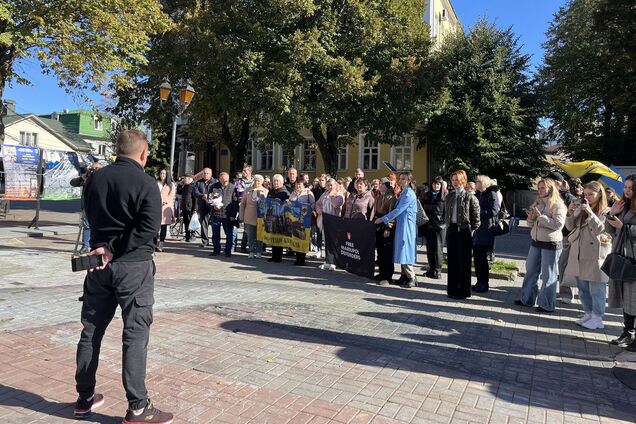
[284,224]
[578,169]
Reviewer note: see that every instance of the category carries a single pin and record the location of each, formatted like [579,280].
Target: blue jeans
[86,233]
[544,262]
[593,295]
[228,229]
[254,245]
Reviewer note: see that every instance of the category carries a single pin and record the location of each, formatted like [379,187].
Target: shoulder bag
[421,218]
[618,265]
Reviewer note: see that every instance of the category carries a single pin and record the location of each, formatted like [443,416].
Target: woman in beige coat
[589,245]
[248,214]
[168,191]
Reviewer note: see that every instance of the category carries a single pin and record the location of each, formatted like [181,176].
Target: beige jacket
[589,245]
[167,202]
[249,203]
[548,225]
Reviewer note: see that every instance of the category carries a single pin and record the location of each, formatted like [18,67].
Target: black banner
[352,243]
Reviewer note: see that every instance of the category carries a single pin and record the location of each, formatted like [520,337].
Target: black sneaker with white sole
[149,414]
[84,408]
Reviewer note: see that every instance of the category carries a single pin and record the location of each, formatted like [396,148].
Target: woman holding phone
[589,245]
[546,216]
[622,294]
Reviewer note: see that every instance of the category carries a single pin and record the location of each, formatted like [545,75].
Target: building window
[287,157]
[342,158]
[102,149]
[309,157]
[97,123]
[265,158]
[370,153]
[403,154]
[28,138]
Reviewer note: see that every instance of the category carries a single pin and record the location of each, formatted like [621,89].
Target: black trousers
[480,256]
[384,245]
[162,232]
[187,217]
[434,249]
[131,286]
[205,217]
[459,245]
[277,253]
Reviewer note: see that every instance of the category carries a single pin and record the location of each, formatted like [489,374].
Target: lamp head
[186,94]
[164,90]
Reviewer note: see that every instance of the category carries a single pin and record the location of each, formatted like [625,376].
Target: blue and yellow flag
[578,169]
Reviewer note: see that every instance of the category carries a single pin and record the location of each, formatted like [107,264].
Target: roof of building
[75,141]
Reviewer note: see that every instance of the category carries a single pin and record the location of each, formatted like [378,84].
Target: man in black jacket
[433,202]
[202,190]
[123,207]
[187,203]
[224,214]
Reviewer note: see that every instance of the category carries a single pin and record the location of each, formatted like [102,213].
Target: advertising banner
[59,169]
[21,165]
[284,224]
[352,243]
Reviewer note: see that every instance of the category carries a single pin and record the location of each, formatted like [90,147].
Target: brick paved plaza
[237,340]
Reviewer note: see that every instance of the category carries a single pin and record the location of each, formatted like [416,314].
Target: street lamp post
[185,98]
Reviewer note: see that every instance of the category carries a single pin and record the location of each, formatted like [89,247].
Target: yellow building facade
[363,154]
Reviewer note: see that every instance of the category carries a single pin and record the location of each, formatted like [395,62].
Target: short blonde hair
[484,180]
[259,177]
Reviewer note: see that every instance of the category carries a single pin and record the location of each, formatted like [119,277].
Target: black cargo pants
[131,286]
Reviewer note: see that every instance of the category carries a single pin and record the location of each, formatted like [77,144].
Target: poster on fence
[59,169]
[284,224]
[21,165]
[352,243]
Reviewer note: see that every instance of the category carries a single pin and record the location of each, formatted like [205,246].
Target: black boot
[629,333]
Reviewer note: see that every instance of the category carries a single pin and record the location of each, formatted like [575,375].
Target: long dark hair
[169,180]
[631,202]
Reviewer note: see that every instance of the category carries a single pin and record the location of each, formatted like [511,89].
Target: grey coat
[468,212]
[622,294]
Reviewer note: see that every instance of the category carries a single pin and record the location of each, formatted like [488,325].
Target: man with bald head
[202,192]
[123,208]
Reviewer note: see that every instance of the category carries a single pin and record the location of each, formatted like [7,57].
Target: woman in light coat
[404,244]
[330,203]
[547,217]
[248,214]
[168,191]
[622,294]
[589,245]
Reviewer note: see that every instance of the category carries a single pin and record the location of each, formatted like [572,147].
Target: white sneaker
[318,255]
[323,266]
[584,318]
[594,323]
[257,255]
[251,255]
[331,267]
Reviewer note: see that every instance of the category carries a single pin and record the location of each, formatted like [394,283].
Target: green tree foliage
[264,70]
[87,44]
[358,64]
[484,118]
[588,80]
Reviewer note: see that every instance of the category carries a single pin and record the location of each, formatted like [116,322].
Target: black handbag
[421,217]
[501,228]
[617,265]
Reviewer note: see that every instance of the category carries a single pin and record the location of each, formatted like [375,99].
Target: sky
[529,20]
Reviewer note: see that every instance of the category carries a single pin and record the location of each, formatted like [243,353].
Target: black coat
[489,211]
[123,207]
[201,188]
[435,207]
[281,194]
[187,201]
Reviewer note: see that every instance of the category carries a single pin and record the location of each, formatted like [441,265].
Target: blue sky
[529,19]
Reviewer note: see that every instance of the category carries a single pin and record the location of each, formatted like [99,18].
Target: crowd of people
[569,223]
[573,230]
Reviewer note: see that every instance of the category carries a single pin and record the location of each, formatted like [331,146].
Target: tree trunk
[328,146]
[237,148]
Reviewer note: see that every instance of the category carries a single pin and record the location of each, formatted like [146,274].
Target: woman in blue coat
[404,245]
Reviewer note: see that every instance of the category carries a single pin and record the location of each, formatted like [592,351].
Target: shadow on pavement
[12,397]
[562,386]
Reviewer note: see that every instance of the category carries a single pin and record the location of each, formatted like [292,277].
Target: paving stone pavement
[238,340]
